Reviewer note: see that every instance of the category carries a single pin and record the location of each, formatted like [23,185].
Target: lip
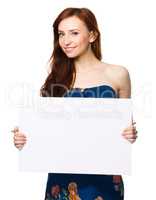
[69,48]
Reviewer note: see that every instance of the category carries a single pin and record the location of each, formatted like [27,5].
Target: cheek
[84,42]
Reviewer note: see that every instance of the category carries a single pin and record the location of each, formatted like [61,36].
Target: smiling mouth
[69,48]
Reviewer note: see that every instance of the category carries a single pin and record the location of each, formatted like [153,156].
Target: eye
[75,33]
[60,34]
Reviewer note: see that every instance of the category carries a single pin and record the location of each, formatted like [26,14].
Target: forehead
[71,23]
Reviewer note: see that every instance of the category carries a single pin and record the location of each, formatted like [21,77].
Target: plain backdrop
[128,38]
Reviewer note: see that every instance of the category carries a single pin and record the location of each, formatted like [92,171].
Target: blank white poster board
[76,135]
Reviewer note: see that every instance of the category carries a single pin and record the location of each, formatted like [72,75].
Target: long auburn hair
[62,68]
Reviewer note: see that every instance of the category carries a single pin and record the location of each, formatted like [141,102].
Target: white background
[128,38]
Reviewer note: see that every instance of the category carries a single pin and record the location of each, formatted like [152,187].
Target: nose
[67,40]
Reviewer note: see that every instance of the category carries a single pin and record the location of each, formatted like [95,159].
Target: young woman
[73,191]
[76,70]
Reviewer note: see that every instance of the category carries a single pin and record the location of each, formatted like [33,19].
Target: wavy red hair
[63,72]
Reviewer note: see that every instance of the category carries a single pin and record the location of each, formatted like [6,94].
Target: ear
[93,36]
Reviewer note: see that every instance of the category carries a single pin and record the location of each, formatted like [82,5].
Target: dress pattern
[61,186]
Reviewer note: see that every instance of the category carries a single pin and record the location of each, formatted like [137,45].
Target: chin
[71,55]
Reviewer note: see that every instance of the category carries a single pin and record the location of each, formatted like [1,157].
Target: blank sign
[76,135]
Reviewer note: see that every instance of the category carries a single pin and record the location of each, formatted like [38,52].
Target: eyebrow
[70,30]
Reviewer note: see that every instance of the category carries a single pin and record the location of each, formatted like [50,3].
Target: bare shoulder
[118,71]
[119,75]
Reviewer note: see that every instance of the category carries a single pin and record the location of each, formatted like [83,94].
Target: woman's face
[74,37]
[72,192]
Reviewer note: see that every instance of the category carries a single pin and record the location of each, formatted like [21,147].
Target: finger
[16,129]
[129,133]
[131,140]
[16,137]
[133,123]
[19,134]
[130,137]
[131,127]
[19,147]
[19,143]
[20,140]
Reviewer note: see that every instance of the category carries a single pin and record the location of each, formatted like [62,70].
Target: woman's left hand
[130,133]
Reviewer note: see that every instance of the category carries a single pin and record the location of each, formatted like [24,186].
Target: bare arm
[124,91]
[124,83]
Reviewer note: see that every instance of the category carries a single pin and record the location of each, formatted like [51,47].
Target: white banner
[76,135]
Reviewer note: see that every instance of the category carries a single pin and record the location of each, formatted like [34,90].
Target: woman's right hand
[19,138]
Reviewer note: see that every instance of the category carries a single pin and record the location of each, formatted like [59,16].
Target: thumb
[16,129]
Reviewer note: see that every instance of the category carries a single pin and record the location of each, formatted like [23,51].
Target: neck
[86,62]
